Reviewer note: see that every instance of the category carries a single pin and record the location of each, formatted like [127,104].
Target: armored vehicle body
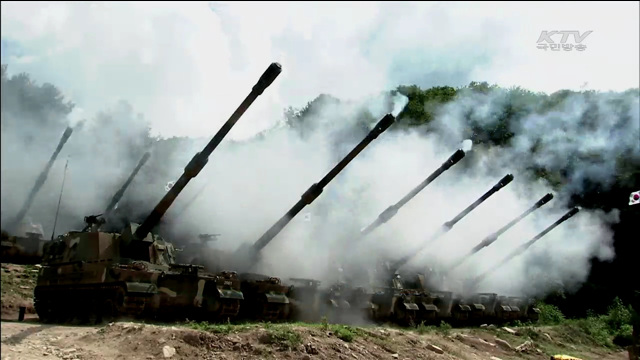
[135,272]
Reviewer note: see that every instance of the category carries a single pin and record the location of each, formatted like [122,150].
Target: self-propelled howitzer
[266,297]
[347,292]
[449,224]
[99,275]
[522,248]
[493,237]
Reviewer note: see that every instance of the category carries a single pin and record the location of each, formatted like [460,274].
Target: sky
[186,66]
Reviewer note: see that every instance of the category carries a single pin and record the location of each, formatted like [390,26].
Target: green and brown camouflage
[265,298]
[393,301]
[93,275]
[24,241]
[105,274]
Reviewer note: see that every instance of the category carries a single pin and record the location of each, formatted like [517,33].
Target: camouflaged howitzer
[247,256]
[429,302]
[352,298]
[265,298]
[395,302]
[95,275]
[24,241]
[306,304]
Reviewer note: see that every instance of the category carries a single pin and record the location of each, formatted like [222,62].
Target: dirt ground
[17,288]
[29,339]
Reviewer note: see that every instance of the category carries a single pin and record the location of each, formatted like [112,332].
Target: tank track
[86,303]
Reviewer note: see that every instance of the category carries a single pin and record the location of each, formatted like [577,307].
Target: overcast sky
[186,66]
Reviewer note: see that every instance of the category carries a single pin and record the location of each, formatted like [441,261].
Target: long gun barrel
[316,189]
[118,195]
[522,248]
[449,224]
[392,210]
[42,178]
[493,237]
[199,160]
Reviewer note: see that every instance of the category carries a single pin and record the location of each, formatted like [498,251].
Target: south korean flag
[634,198]
[169,185]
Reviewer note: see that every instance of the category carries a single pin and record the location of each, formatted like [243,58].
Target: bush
[610,329]
[550,314]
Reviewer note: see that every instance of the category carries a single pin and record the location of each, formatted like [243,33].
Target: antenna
[64,177]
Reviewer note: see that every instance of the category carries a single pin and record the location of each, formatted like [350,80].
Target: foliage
[283,337]
[610,329]
[550,314]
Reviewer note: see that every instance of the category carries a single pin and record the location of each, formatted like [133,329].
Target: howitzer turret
[138,273]
[392,210]
[493,237]
[198,162]
[349,295]
[41,179]
[94,220]
[526,245]
[316,189]
[449,224]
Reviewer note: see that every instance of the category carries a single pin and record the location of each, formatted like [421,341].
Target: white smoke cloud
[189,63]
[186,67]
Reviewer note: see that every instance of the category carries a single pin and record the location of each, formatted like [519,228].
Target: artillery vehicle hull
[348,304]
[307,302]
[26,250]
[338,304]
[85,277]
[135,272]
[396,306]
[265,298]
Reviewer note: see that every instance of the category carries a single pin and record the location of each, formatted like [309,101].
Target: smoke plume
[252,180]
